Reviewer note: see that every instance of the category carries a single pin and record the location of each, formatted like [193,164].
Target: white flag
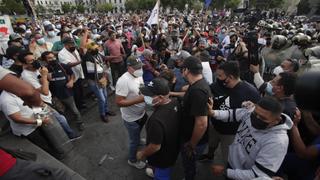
[154,17]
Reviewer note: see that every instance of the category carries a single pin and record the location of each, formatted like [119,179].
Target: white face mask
[51,34]
[148,100]
[58,26]
[138,73]
[268,89]
[41,41]
[94,31]
[119,31]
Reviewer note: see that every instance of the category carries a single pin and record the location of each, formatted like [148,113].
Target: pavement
[111,140]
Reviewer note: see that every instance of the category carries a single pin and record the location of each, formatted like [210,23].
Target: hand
[317,174]
[248,105]
[297,117]
[277,178]
[156,73]
[46,120]
[220,58]
[44,71]
[139,155]
[217,170]
[254,68]
[69,84]
[189,150]
[163,67]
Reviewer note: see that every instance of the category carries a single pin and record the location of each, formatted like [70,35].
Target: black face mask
[222,83]
[36,65]
[258,123]
[72,49]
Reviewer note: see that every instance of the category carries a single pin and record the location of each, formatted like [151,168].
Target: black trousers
[78,93]
[117,69]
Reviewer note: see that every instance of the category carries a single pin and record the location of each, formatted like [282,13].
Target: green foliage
[40,9]
[196,5]
[104,7]
[80,8]
[232,3]
[66,7]
[12,6]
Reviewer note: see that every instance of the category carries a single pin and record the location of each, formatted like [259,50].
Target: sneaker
[104,119]
[204,158]
[75,136]
[137,164]
[111,113]
[149,172]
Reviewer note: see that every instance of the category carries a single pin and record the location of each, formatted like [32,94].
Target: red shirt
[114,49]
[6,162]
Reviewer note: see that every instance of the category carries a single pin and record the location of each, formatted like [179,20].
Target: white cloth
[7,63]
[39,50]
[32,78]
[128,86]
[207,72]
[3,72]
[52,40]
[66,57]
[11,104]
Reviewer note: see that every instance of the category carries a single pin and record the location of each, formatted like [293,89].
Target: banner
[5,30]
[154,17]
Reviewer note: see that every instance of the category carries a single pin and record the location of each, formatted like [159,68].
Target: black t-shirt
[195,104]
[163,128]
[233,99]
[57,86]
[16,69]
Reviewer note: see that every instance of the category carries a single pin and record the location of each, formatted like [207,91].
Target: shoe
[149,172]
[204,158]
[138,164]
[81,126]
[111,113]
[75,136]
[104,119]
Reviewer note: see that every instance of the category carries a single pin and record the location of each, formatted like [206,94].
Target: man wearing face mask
[230,92]
[61,83]
[39,45]
[261,141]
[162,129]
[69,55]
[94,67]
[132,106]
[50,34]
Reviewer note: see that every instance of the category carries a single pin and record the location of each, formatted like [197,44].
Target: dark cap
[67,40]
[134,62]
[157,86]
[192,63]
[49,27]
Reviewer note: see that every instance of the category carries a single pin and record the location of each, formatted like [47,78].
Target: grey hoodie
[255,153]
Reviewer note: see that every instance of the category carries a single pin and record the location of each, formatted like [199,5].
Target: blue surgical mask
[268,89]
[148,100]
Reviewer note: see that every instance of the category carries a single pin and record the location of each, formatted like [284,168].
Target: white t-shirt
[3,72]
[32,78]
[207,72]
[66,57]
[128,86]
[10,104]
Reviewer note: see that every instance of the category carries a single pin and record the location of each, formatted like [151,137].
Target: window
[120,1]
[109,1]
[115,1]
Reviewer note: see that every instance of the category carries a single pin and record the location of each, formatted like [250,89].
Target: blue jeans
[162,173]
[64,123]
[134,129]
[102,95]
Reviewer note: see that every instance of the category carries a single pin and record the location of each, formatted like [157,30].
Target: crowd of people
[197,83]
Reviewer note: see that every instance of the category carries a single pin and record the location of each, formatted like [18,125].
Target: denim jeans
[162,173]
[64,123]
[102,95]
[70,103]
[134,129]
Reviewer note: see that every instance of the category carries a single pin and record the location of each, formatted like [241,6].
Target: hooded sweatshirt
[255,153]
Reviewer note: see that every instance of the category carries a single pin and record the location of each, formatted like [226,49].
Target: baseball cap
[192,63]
[92,46]
[182,55]
[157,86]
[134,62]
[13,50]
[14,36]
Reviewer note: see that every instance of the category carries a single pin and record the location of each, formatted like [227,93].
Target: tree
[12,7]
[196,5]
[80,8]
[66,7]
[303,7]
[104,7]
[40,9]
[232,4]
